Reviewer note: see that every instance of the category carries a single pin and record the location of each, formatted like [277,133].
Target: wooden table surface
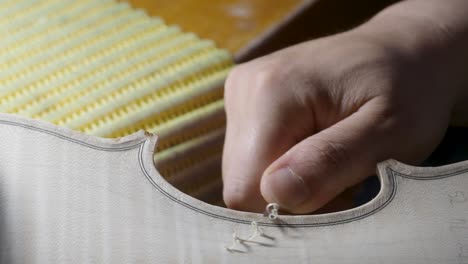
[232,24]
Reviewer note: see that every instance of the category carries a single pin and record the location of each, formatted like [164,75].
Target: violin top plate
[66,197]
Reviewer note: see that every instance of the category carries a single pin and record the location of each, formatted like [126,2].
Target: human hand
[307,122]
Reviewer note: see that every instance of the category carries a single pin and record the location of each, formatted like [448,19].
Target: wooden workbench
[250,28]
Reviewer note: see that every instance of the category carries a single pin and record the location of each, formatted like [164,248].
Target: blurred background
[251,28]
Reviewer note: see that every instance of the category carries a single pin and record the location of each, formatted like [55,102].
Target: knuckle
[322,156]
[235,74]
[236,85]
[332,153]
[268,78]
[250,82]
[231,81]
[231,87]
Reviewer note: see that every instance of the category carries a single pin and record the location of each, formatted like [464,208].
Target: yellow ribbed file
[108,70]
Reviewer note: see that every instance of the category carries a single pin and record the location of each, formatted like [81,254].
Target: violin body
[66,197]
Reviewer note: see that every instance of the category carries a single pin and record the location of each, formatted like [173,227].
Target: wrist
[437,52]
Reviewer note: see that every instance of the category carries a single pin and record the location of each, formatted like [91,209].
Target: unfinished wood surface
[67,197]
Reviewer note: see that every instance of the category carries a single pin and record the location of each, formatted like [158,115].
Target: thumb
[321,166]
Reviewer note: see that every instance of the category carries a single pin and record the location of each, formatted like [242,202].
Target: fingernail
[287,188]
